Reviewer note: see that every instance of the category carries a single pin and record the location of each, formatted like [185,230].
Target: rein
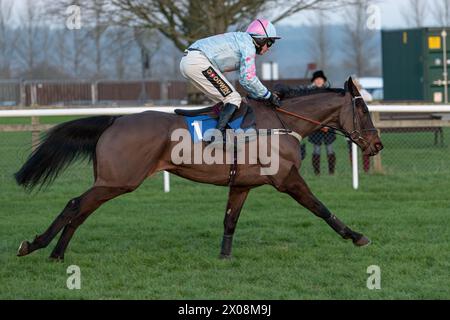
[324,128]
[354,136]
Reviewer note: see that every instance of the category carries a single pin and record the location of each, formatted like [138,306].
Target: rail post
[377,165]
[35,133]
[22,94]
[355,173]
[33,91]
[94,92]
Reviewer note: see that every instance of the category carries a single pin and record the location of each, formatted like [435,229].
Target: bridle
[355,135]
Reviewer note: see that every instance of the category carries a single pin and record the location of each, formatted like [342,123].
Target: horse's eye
[364,108]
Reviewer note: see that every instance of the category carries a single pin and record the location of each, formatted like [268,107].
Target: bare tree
[121,50]
[94,25]
[27,44]
[61,53]
[7,40]
[358,42]
[74,45]
[184,21]
[45,44]
[415,13]
[96,9]
[320,42]
[149,42]
[441,12]
[69,50]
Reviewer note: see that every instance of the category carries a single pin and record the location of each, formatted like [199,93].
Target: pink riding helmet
[262,28]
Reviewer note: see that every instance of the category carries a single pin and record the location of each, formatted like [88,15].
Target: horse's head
[355,119]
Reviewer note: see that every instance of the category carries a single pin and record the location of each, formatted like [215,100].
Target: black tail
[60,147]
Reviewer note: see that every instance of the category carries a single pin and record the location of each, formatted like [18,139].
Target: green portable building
[414,64]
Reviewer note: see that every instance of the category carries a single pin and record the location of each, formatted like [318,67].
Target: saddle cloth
[200,121]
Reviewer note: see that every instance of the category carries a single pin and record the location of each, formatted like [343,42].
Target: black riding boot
[303,151]
[331,163]
[225,115]
[316,163]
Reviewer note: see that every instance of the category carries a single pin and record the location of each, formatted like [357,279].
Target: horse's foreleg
[297,188]
[236,199]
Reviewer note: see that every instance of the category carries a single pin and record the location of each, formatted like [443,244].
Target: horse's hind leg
[297,188]
[91,201]
[76,207]
[41,241]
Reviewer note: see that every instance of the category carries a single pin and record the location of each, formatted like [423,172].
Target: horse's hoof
[362,242]
[225,256]
[24,249]
[56,259]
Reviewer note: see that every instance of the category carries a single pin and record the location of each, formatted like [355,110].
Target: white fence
[87,111]
[375,109]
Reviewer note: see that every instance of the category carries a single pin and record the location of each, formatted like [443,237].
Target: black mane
[311,92]
[306,93]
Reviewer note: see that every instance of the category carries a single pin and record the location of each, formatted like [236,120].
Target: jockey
[206,59]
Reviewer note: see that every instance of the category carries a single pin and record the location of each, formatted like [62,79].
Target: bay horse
[125,150]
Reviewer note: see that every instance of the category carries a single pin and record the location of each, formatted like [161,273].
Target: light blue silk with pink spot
[234,51]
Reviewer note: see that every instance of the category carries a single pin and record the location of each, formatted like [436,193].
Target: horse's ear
[350,86]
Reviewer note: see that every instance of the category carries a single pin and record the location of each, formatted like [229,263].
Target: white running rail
[131,110]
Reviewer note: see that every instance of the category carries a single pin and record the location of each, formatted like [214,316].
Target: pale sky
[391,14]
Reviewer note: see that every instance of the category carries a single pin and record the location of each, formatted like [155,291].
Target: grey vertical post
[33,91]
[22,94]
[377,164]
[94,92]
[164,91]
[34,133]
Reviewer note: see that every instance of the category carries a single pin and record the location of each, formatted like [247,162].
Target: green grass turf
[152,245]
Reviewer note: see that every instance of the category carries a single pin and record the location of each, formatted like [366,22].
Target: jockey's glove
[274,100]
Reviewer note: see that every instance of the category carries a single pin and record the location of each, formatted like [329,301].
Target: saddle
[201,120]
